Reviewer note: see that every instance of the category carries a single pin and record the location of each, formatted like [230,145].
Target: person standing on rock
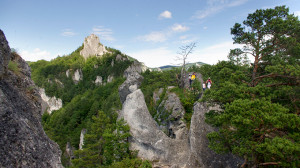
[203,86]
[193,77]
[209,83]
[190,80]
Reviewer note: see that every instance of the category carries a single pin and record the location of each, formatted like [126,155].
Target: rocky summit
[175,147]
[92,47]
[23,142]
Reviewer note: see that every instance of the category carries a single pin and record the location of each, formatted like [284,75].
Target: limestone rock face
[135,67]
[98,80]
[110,78]
[77,76]
[92,47]
[170,114]
[4,54]
[51,103]
[199,141]
[68,73]
[133,79]
[81,143]
[151,142]
[69,150]
[69,153]
[121,58]
[147,138]
[23,142]
[176,147]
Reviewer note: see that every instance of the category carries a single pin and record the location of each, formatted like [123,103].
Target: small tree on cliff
[184,52]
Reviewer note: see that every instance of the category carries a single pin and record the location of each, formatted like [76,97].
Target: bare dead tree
[184,52]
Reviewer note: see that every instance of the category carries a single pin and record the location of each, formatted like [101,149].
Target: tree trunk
[182,75]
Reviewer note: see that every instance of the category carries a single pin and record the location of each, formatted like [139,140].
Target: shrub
[13,66]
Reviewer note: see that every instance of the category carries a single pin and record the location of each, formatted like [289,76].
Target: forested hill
[70,75]
[88,88]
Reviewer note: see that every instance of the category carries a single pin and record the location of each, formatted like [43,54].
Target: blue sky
[149,30]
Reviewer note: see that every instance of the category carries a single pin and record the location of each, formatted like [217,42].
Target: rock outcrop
[110,78]
[98,80]
[170,116]
[69,154]
[133,81]
[135,67]
[152,143]
[49,103]
[199,142]
[23,142]
[4,54]
[68,73]
[92,47]
[177,147]
[77,76]
[82,134]
[119,57]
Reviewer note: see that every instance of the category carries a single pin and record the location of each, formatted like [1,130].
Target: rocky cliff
[92,47]
[23,142]
[49,104]
[199,142]
[170,115]
[176,147]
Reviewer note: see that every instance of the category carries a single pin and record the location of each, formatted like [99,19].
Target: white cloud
[162,36]
[104,33]
[154,37]
[215,6]
[155,57]
[236,3]
[165,15]
[187,39]
[68,33]
[179,28]
[183,37]
[37,54]
[209,11]
[214,53]
[297,13]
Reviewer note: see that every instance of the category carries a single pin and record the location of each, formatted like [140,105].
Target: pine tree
[260,102]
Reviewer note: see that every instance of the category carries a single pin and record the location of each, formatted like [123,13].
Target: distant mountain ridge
[168,67]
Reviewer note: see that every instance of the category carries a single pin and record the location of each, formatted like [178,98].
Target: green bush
[131,163]
[13,66]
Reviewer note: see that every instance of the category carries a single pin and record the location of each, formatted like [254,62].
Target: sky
[152,31]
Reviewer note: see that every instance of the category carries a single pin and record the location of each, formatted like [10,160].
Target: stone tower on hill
[92,47]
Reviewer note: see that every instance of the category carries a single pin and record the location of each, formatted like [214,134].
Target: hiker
[203,86]
[209,83]
[193,76]
[190,80]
